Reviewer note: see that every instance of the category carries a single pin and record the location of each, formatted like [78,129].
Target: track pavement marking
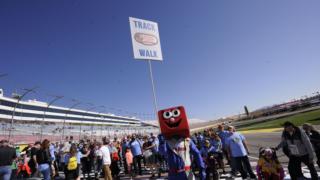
[269,130]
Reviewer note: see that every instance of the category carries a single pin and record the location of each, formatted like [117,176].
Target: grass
[312,117]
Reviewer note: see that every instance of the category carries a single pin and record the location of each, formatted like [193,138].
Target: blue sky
[219,55]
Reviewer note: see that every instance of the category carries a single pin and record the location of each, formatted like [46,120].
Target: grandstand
[32,117]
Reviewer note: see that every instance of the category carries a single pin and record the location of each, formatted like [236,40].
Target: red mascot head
[174,122]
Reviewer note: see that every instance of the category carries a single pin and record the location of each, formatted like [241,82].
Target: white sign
[145,39]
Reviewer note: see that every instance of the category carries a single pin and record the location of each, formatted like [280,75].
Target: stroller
[269,167]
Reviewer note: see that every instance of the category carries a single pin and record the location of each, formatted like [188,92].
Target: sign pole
[146,45]
[153,91]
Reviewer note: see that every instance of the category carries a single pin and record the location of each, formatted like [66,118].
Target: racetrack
[270,139]
[257,140]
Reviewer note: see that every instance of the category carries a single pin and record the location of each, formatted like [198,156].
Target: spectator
[148,155]
[44,159]
[55,171]
[237,149]
[297,146]
[86,161]
[7,155]
[217,150]
[268,166]
[200,140]
[33,160]
[99,160]
[71,141]
[114,160]
[124,147]
[129,161]
[106,159]
[194,138]
[223,134]
[207,153]
[314,137]
[72,169]
[136,149]
[65,147]
[155,154]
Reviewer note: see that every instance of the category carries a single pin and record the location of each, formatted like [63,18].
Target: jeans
[5,172]
[294,167]
[45,171]
[243,166]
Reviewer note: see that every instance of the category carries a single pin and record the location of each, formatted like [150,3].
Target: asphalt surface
[258,140]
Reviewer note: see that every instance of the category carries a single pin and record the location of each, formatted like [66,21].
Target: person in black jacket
[44,160]
[7,155]
[33,161]
[314,137]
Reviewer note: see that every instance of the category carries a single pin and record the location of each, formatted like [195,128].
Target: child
[210,158]
[269,167]
[129,159]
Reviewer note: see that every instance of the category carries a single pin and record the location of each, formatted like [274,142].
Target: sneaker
[253,176]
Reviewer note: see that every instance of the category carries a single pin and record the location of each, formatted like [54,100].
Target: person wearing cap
[297,146]
[7,155]
[238,150]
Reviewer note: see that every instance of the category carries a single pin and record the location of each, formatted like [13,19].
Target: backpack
[72,163]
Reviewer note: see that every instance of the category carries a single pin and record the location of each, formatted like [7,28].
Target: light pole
[91,108]
[64,121]
[103,117]
[15,107]
[56,98]
[101,123]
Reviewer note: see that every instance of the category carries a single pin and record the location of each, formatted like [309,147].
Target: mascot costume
[176,146]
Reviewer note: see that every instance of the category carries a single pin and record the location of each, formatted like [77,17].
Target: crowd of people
[137,154]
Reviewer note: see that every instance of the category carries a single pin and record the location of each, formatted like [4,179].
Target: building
[33,110]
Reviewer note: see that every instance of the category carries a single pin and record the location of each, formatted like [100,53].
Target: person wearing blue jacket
[178,152]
